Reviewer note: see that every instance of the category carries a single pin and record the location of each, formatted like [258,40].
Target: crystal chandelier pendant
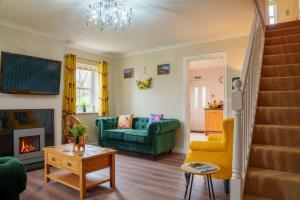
[108,14]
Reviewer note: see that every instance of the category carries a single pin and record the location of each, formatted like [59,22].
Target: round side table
[192,169]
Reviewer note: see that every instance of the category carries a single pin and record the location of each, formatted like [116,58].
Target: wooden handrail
[261,10]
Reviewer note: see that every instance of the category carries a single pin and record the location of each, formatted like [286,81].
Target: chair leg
[226,186]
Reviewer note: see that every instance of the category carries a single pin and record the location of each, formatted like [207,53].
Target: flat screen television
[22,74]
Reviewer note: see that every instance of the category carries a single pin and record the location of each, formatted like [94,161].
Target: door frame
[186,86]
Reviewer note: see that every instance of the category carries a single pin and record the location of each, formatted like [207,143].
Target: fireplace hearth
[28,144]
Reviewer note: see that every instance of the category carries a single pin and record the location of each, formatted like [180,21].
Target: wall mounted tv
[22,74]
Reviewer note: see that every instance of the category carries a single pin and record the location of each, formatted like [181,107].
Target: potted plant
[83,106]
[78,132]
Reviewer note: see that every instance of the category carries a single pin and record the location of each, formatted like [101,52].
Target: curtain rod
[78,58]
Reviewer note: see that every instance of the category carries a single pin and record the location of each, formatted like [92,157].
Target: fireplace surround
[32,127]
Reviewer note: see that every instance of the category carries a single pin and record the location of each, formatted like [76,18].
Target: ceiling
[209,63]
[156,23]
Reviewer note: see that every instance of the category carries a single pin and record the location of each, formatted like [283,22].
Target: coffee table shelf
[72,180]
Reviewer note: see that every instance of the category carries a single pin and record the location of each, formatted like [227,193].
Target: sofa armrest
[212,146]
[164,126]
[107,122]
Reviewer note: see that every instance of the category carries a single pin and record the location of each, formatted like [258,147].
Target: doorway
[206,96]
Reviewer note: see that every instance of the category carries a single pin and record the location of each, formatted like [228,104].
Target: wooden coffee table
[80,172]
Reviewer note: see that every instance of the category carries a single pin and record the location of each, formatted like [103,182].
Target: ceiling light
[108,14]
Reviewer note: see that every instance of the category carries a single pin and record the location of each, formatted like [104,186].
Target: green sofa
[12,178]
[157,138]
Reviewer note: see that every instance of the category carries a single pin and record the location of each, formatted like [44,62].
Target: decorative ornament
[145,81]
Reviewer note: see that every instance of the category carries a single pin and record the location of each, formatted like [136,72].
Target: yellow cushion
[125,121]
[207,146]
[215,137]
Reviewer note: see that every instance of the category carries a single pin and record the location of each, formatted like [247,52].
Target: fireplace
[28,144]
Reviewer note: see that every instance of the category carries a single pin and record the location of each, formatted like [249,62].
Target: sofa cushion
[115,133]
[125,121]
[139,136]
[140,123]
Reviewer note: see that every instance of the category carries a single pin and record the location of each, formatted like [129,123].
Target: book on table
[201,167]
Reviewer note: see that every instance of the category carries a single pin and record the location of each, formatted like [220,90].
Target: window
[196,96]
[87,88]
[203,97]
[272,12]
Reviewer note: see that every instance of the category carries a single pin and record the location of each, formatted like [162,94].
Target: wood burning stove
[28,144]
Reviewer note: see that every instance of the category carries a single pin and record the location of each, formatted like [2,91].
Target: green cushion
[140,136]
[115,133]
[140,123]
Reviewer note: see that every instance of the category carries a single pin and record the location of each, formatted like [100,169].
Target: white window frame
[94,87]
[274,17]
[204,99]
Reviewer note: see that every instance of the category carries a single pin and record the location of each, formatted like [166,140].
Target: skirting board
[179,150]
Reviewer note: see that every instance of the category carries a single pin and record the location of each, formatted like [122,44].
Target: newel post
[237,180]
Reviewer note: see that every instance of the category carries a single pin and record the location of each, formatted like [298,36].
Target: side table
[197,168]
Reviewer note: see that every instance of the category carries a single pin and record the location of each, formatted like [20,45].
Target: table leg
[46,172]
[82,181]
[187,181]
[112,172]
[211,186]
[191,185]
[208,186]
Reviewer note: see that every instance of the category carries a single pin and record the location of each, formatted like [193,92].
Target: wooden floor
[137,178]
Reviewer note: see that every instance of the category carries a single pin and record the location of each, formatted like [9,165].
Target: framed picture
[163,69]
[128,73]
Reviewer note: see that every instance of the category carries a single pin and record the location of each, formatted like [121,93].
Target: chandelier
[108,14]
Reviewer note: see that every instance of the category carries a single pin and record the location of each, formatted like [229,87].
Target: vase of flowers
[78,131]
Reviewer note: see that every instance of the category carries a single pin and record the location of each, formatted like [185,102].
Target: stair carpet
[274,163]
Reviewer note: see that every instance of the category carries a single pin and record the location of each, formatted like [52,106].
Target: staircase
[274,163]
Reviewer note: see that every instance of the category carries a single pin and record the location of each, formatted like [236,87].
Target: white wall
[22,42]
[287,5]
[167,94]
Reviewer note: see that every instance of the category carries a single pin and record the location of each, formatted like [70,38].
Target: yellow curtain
[103,88]
[69,96]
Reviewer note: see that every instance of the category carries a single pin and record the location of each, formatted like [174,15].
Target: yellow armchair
[217,150]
